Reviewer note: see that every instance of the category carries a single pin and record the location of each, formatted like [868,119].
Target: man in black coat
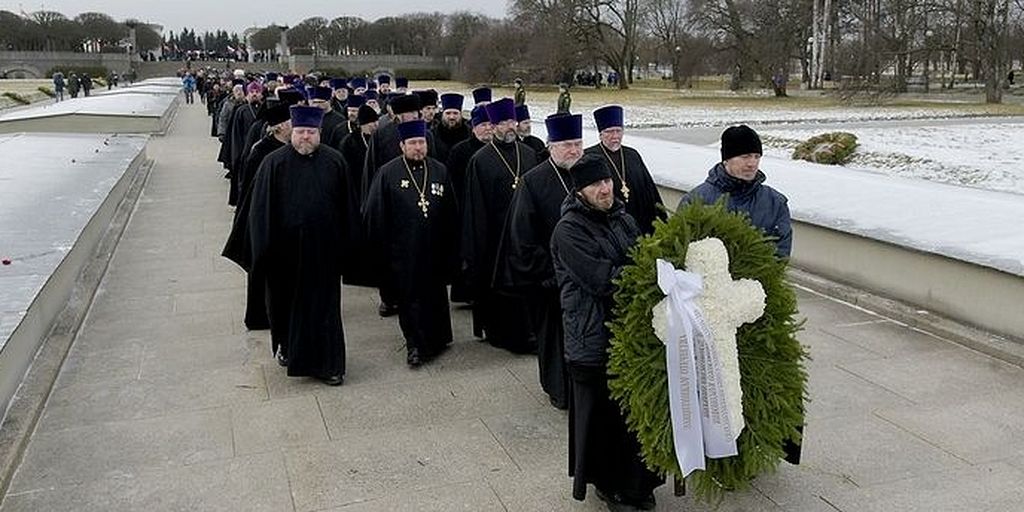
[450,128]
[634,185]
[410,217]
[527,267]
[243,117]
[523,130]
[320,97]
[458,160]
[237,248]
[298,218]
[589,246]
[384,147]
[353,148]
[492,176]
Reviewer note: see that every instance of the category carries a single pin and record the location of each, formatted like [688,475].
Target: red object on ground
[6,261]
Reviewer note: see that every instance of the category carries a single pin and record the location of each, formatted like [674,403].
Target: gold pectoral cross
[515,183]
[625,192]
[423,204]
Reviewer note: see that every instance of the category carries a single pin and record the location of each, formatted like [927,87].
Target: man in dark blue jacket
[738,175]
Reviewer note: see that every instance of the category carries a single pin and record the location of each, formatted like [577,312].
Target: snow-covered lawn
[723,115]
[988,155]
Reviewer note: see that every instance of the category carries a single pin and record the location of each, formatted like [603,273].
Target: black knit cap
[589,170]
[740,140]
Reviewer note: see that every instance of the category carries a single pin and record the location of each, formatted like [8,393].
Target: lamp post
[813,71]
[675,65]
[927,56]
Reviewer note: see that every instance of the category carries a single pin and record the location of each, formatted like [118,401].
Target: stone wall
[37,64]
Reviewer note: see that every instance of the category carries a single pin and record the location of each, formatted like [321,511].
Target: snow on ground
[640,116]
[974,225]
[987,155]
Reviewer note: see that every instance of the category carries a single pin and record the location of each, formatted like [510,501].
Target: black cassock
[415,253]
[527,268]
[338,135]
[446,138]
[330,126]
[458,160]
[241,120]
[237,248]
[298,218]
[537,146]
[256,131]
[498,313]
[384,148]
[361,270]
[644,198]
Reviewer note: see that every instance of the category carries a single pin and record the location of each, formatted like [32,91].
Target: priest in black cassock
[411,218]
[428,105]
[242,118]
[384,147]
[237,249]
[492,176]
[481,132]
[523,130]
[633,183]
[527,266]
[353,104]
[333,121]
[361,265]
[339,96]
[298,220]
[458,160]
[482,96]
[450,128]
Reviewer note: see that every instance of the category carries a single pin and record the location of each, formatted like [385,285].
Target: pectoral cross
[515,182]
[625,192]
[423,204]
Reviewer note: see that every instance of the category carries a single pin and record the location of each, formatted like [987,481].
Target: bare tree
[668,23]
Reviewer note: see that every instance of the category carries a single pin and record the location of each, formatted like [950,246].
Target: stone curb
[1006,349]
[26,406]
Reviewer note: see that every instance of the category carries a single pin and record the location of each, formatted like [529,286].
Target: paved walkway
[166,403]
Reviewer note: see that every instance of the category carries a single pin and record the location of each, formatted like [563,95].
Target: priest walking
[297,230]
[411,221]
[492,176]
[632,182]
[528,267]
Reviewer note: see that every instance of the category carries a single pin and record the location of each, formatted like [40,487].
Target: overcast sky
[237,15]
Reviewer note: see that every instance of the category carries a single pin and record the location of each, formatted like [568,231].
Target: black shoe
[561,405]
[646,503]
[282,360]
[386,310]
[413,358]
[614,500]
[334,380]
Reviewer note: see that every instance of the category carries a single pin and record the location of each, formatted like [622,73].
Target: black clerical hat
[405,104]
[564,127]
[608,117]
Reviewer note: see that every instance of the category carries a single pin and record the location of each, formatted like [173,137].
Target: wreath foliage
[772,373]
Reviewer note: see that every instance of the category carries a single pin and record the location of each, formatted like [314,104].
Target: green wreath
[772,373]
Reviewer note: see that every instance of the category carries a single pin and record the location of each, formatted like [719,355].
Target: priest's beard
[305,148]
[507,137]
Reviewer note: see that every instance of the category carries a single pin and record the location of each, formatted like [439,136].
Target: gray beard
[509,137]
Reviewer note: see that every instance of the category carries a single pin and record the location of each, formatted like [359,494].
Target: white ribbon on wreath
[697,321]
